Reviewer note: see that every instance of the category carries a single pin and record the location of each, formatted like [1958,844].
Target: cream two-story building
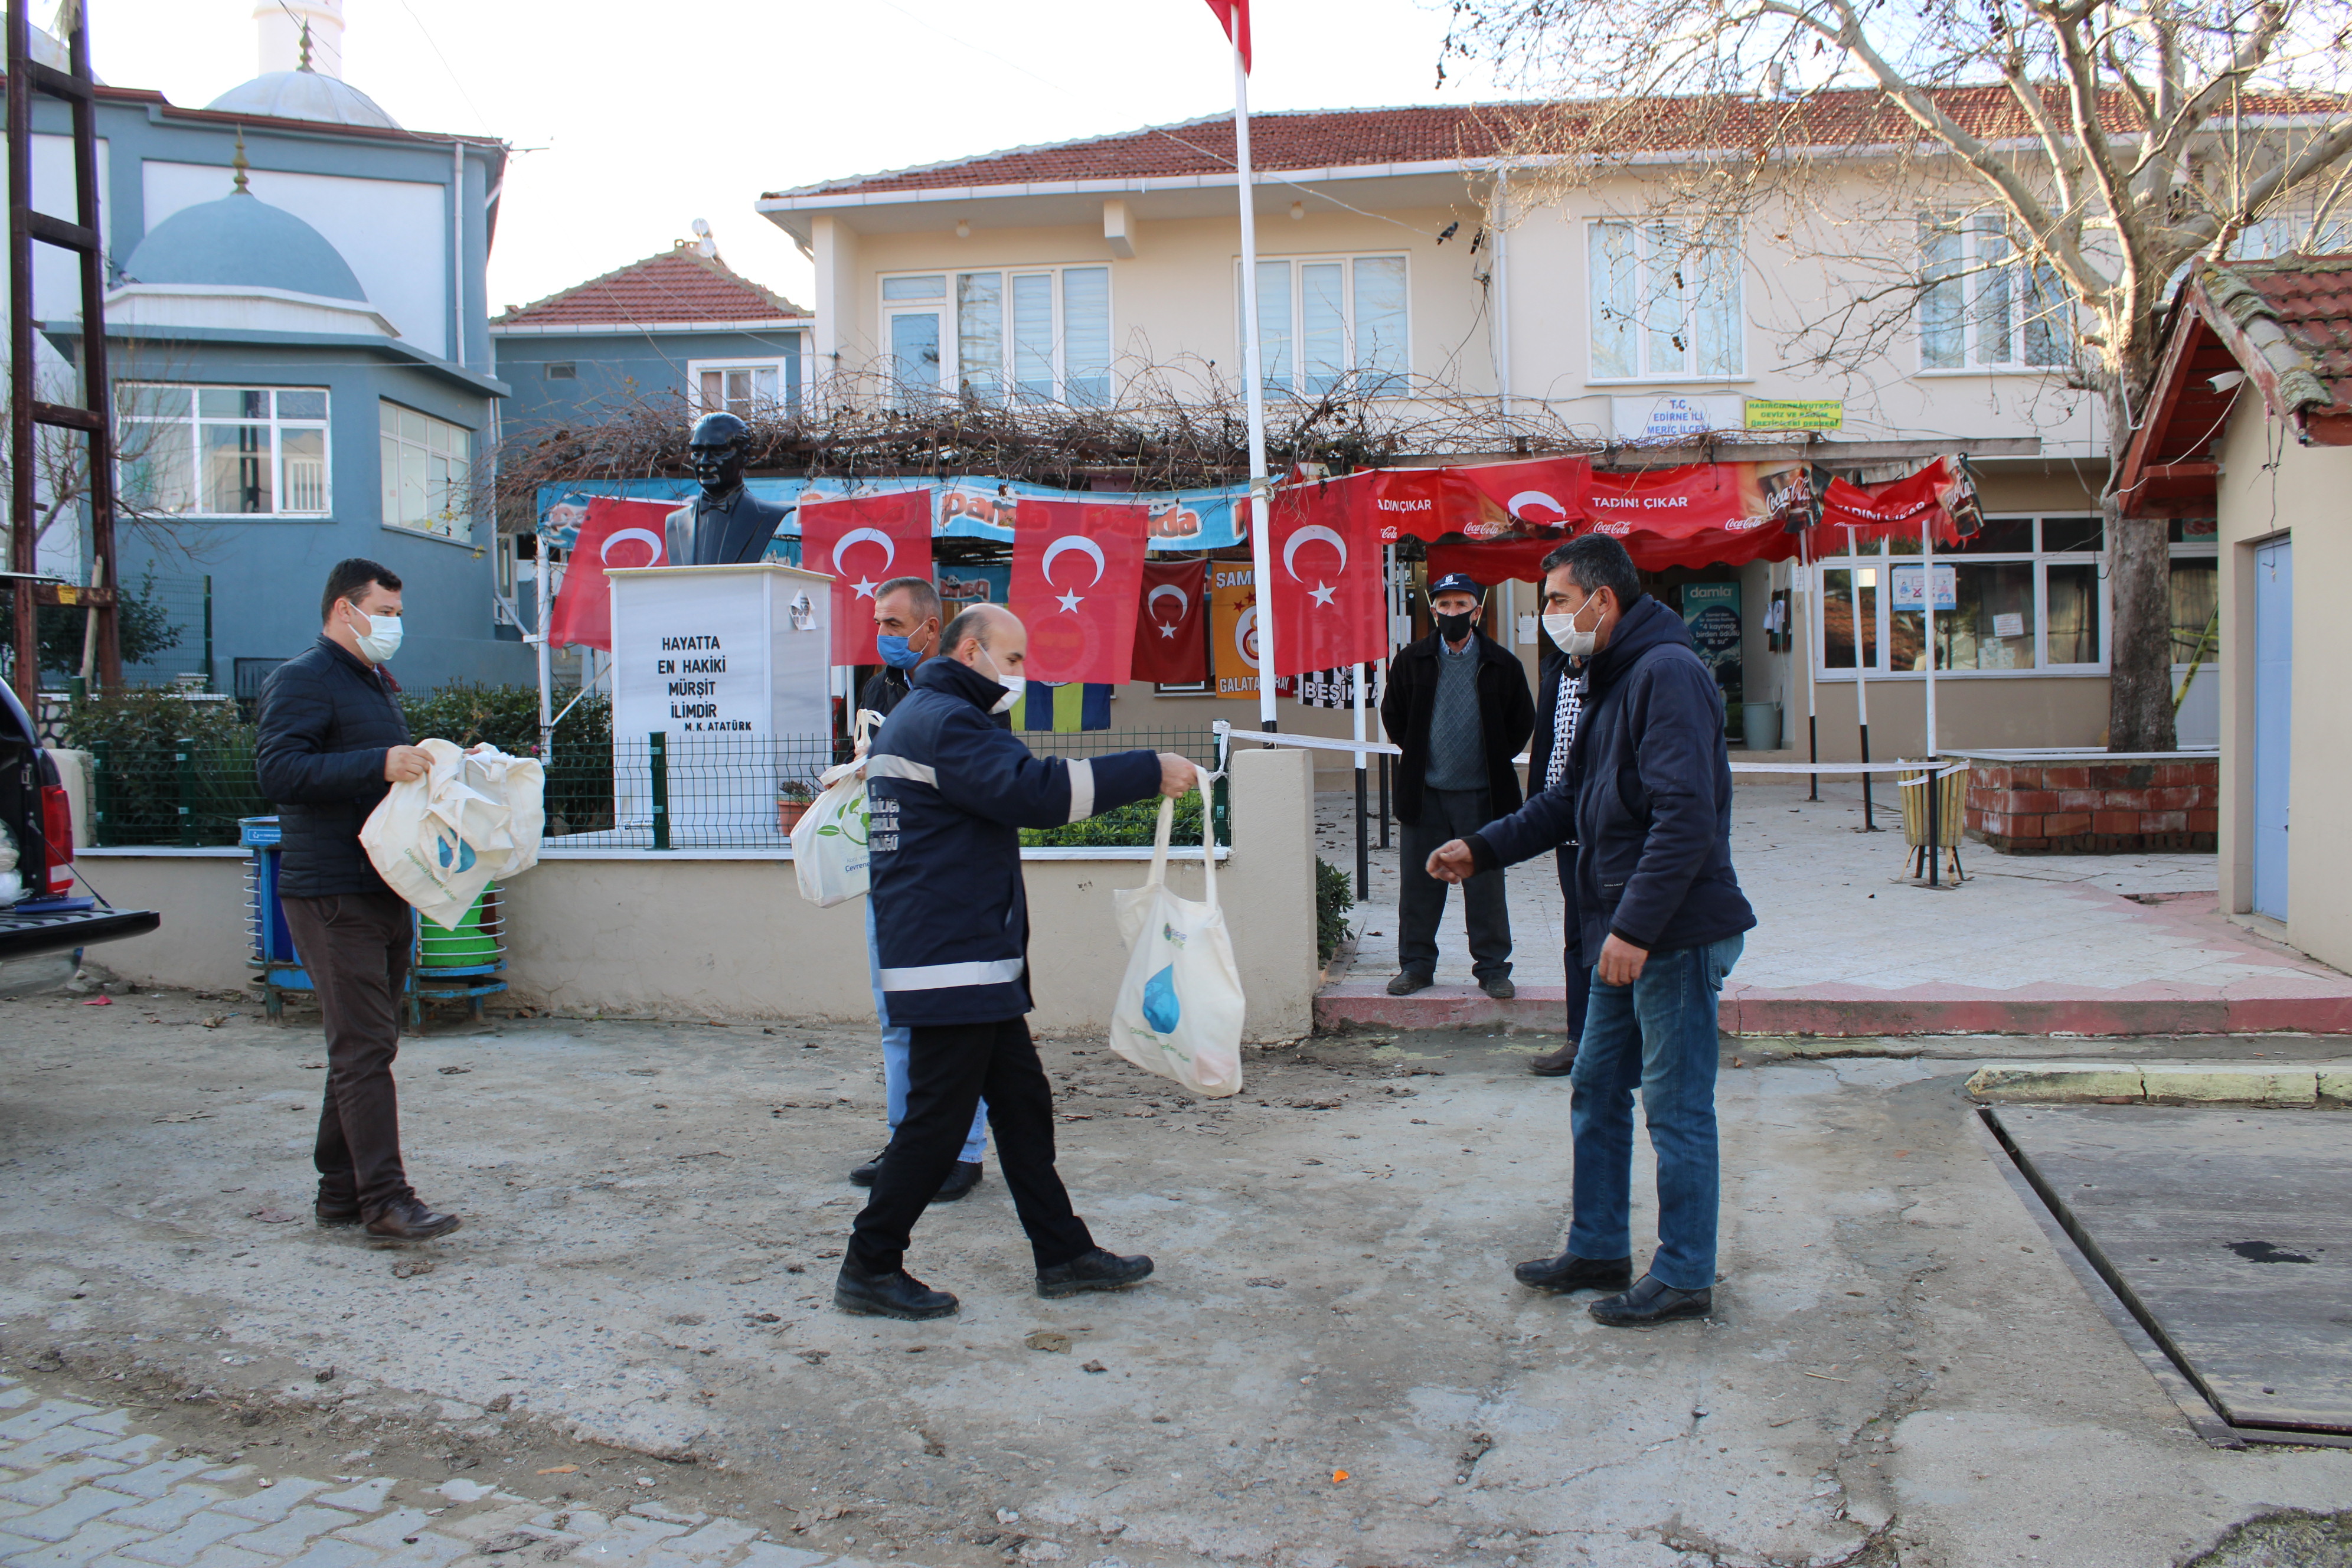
[1401,251]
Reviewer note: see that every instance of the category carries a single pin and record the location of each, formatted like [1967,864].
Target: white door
[2273,708]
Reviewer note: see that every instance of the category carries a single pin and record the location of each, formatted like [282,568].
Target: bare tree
[2111,145]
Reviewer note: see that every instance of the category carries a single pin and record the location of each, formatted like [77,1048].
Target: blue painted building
[302,362]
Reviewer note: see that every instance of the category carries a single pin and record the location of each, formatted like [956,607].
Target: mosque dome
[241,241]
[303,94]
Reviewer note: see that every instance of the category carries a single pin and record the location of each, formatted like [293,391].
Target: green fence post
[184,758]
[658,755]
[101,758]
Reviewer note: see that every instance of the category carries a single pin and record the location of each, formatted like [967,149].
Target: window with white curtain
[427,473]
[746,386]
[1981,307]
[1037,335]
[223,451]
[1665,302]
[1324,319]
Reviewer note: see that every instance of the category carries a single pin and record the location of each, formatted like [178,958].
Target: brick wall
[2078,806]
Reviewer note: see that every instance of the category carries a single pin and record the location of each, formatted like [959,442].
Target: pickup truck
[39,911]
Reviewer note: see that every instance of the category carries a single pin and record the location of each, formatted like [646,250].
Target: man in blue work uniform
[949,792]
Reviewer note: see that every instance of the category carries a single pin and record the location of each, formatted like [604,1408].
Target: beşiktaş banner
[965,506]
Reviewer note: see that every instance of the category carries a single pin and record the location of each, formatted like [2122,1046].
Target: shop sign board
[1668,419]
[1796,413]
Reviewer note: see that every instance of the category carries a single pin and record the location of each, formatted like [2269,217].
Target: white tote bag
[829,852]
[439,840]
[1179,1004]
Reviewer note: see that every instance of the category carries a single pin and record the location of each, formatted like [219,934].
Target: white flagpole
[1928,620]
[1254,394]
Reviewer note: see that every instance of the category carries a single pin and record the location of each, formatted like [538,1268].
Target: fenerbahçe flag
[1077,571]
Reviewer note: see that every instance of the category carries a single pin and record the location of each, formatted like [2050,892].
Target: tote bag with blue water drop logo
[1180,1003]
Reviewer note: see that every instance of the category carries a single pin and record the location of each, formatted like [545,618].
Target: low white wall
[683,935]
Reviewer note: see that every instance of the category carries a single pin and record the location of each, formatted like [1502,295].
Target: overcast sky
[631,120]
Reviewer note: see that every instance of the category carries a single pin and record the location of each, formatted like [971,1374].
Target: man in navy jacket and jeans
[949,793]
[1646,797]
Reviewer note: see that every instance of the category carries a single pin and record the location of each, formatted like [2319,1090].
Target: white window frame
[1645,233]
[786,366]
[448,523]
[1295,384]
[1882,617]
[942,309]
[192,423]
[1990,274]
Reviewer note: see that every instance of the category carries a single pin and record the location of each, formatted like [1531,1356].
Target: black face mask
[1455,628]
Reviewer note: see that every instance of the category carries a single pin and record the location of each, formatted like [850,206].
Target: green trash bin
[477,943]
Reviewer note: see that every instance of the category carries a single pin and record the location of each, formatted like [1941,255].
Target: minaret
[300,35]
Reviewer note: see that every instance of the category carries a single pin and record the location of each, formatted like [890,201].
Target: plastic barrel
[470,946]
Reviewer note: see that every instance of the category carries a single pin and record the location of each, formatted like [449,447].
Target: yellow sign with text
[1795,414]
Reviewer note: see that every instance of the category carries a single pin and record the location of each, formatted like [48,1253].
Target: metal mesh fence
[651,792]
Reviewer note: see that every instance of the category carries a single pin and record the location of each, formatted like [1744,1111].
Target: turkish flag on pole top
[863,543]
[1234,16]
[615,533]
[1077,572]
[1171,628]
[1326,592]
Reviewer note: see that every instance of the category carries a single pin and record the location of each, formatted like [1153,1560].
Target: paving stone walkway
[83,1488]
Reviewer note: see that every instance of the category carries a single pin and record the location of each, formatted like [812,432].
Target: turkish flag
[863,543]
[1550,492]
[1325,599]
[1171,630]
[615,533]
[1234,14]
[1077,575]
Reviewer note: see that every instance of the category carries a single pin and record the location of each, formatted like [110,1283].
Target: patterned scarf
[1564,717]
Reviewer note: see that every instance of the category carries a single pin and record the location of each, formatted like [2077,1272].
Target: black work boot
[896,1294]
[1569,1272]
[1095,1270]
[1650,1301]
[863,1175]
[961,1180]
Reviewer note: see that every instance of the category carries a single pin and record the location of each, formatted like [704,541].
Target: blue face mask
[897,652]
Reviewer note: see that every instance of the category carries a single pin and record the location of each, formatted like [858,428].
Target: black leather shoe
[1569,1272]
[336,1214]
[1500,988]
[863,1175]
[1555,1063]
[1406,984]
[1648,1302]
[1095,1270]
[409,1220]
[896,1294]
[961,1180]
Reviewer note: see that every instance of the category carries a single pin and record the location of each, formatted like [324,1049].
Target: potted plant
[793,797]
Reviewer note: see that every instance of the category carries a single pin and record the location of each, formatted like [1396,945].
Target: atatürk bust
[726,525]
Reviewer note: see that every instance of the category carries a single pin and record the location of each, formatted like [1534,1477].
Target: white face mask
[379,636]
[1562,631]
[1014,684]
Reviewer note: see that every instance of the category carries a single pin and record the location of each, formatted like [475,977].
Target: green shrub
[1335,895]
[136,734]
[1124,826]
[507,717]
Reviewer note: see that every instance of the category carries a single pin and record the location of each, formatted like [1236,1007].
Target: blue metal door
[2274,710]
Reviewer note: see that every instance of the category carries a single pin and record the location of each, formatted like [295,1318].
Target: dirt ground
[1331,1367]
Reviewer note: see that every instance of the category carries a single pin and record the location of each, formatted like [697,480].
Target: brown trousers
[356,947]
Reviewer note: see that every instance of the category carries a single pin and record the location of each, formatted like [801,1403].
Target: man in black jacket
[333,741]
[1646,799]
[1456,704]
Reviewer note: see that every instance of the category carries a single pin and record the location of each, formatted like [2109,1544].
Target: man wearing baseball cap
[1458,707]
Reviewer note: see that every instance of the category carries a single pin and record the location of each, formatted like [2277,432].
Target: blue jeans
[1658,1033]
[895,1043]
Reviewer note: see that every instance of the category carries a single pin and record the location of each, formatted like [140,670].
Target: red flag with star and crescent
[1171,628]
[862,542]
[1078,573]
[614,533]
[1324,540]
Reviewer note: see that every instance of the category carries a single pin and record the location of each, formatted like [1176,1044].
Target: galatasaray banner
[1077,575]
[861,544]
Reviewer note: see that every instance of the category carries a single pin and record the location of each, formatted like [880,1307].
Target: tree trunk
[2139,587]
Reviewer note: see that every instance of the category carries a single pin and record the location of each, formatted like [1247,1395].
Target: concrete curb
[2326,1087]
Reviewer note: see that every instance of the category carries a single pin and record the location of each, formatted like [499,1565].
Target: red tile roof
[1327,139]
[2311,300]
[678,286]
